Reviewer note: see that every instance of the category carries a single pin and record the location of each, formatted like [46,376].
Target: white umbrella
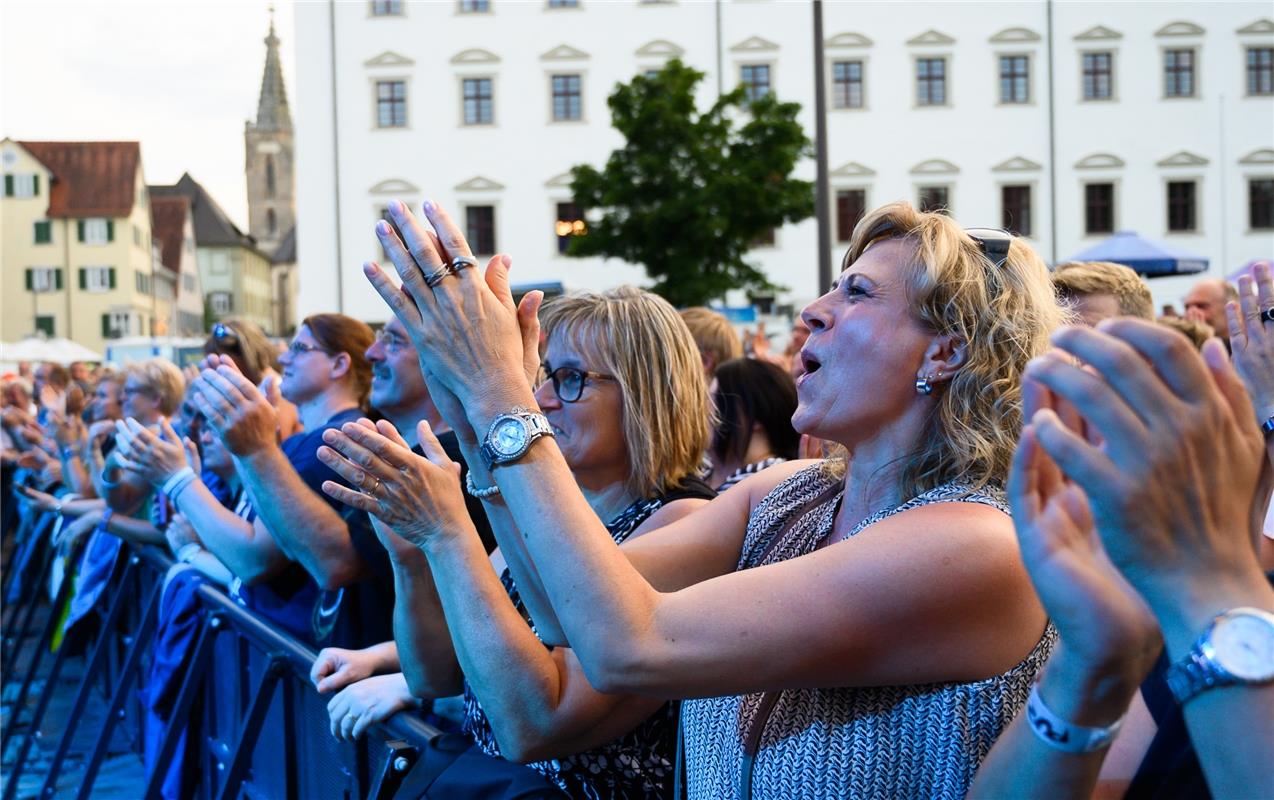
[59,351]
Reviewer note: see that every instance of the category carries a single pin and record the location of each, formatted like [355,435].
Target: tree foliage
[690,191]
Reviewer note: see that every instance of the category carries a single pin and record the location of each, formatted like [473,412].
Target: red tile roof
[168,224]
[90,179]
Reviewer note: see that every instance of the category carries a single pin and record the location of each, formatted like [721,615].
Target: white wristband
[1062,735]
[187,552]
[177,478]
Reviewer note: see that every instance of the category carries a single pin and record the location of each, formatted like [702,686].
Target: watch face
[1244,647]
[509,436]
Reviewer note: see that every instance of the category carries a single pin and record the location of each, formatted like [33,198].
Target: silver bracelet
[1066,736]
[480,493]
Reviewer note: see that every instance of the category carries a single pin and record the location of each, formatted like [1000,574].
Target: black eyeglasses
[994,243]
[568,382]
[299,348]
[224,335]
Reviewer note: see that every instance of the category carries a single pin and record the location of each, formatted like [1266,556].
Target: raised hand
[155,458]
[242,416]
[41,501]
[1172,482]
[1101,618]
[1252,338]
[465,326]
[418,498]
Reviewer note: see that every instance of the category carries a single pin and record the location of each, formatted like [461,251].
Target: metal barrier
[260,683]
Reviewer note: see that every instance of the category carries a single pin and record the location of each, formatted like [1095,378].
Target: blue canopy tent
[1150,258]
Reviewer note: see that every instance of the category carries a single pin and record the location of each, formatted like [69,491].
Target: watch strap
[1194,674]
[537,425]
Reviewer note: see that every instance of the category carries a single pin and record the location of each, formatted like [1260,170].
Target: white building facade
[1062,121]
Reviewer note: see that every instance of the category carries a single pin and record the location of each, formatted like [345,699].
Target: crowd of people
[981,529]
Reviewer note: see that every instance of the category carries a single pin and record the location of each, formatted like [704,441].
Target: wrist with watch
[511,435]
[1237,648]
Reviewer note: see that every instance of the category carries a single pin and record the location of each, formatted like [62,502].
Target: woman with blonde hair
[624,393]
[860,631]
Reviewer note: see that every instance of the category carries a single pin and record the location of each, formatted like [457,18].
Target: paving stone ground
[121,775]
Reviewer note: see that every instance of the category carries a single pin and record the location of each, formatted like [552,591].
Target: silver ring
[463,262]
[436,277]
[1267,315]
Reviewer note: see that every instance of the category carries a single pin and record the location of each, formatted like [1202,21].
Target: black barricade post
[392,747]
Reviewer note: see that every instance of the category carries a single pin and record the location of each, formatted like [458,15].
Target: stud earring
[923,386]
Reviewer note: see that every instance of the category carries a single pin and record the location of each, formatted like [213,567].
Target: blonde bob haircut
[1003,316]
[639,338]
[162,380]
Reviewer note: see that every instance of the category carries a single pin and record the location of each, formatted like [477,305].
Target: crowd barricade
[263,731]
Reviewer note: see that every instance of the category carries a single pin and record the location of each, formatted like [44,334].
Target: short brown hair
[1077,278]
[713,334]
[338,333]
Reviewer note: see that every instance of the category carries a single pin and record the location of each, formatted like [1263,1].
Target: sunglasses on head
[994,242]
[224,335]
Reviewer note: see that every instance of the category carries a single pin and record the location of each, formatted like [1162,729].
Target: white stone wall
[973,144]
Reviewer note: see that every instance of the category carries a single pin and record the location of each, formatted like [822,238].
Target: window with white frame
[568,101]
[1260,71]
[756,80]
[387,8]
[474,6]
[391,104]
[1015,86]
[121,323]
[220,302]
[1178,73]
[24,185]
[97,279]
[1098,75]
[931,81]
[847,84]
[478,108]
[44,279]
[96,231]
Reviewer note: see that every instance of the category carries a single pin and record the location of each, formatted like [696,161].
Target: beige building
[174,231]
[234,273]
[77,247]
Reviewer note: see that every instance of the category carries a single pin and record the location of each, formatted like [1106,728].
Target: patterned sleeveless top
[918,741]
[637,765]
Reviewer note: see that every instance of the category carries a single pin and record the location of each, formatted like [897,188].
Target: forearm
[605,606]
[211,568]
[489,636]
[305,527]
[77,508]
[1022,765]
[135,530]
[76,477]
[1231,726]
[423,643]
[513,548]
[230,538]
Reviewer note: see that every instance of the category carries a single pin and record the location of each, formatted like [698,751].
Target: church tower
[269,157]
[269,164]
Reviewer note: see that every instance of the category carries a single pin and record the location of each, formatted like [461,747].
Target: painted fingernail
[395,207]
[429,206]
[382,228]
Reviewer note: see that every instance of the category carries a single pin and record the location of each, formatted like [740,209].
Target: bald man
[1206,303]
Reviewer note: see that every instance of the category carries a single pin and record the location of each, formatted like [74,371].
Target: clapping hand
[464,324]
[1173,479]
[238,411]
[1252,338]
[419,499]
[154,458]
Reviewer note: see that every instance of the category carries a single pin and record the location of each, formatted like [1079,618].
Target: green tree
[690,192]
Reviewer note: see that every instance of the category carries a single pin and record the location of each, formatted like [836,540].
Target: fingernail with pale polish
[428,206]
[382,228]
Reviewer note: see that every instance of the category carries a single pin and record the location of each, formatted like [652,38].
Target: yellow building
[77,252]
[234,272]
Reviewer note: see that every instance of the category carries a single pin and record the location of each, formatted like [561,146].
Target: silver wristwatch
[512,434]
[1237,648]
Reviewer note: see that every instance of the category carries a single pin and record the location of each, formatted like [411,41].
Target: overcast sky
[180,76]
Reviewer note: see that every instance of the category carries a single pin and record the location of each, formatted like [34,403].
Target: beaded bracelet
[480,493]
